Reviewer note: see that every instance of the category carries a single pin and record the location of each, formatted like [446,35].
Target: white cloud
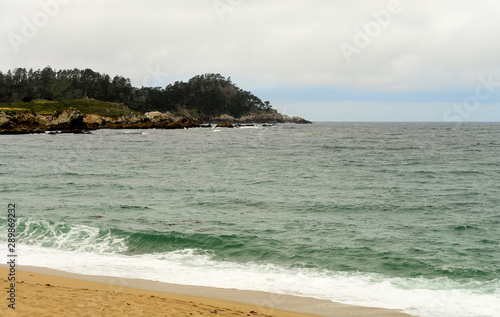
[428,46]
[374,111]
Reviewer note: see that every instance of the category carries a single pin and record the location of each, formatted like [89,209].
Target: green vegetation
[86,106]
[47,90]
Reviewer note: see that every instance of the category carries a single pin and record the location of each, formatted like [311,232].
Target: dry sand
[45,292]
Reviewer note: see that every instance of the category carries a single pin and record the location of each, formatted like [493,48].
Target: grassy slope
[86,106]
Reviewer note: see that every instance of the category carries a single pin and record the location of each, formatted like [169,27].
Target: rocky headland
[266,116]
[74,100]
[72,120]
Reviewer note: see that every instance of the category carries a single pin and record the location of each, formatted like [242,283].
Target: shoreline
[72,120]
[188,299]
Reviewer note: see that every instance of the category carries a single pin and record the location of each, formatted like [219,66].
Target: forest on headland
[203,96]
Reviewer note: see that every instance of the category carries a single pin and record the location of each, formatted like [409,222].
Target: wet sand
[46,292]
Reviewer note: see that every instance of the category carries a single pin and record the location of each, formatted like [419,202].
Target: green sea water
[406,209]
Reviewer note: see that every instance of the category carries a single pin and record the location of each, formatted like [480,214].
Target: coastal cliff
[73,121]
[70,120]
[150,120]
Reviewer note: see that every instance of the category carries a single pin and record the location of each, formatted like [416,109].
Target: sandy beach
[46,292]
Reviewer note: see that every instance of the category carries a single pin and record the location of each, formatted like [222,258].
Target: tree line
[204,96]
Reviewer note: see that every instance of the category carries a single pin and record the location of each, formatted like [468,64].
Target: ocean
[393,215]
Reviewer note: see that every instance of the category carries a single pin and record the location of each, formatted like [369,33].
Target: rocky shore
[73,121]
[266,116]
[13,122]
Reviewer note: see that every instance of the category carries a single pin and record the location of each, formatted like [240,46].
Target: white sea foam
[79,238]
[419,297]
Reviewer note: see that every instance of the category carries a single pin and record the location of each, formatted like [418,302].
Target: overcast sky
[356,60]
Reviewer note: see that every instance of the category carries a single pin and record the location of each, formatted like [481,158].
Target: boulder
[20,123]
[156,116]
[93,121]
[224,118]
[262,116]
[70,119]
[131,119]
[4,120]
[189,123]
[303,121]
[224,125]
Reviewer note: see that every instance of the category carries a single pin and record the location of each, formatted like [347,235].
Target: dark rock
[139,121]
[70,120]
[303,121]
[4,120]
[224,125]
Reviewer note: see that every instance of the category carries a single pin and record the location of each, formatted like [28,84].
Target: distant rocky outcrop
[69,120]
[261,116]
[156,116]
[150,120]
[303,121]
[223,118]
[225,125]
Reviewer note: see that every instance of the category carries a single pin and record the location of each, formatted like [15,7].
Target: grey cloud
[427,46]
